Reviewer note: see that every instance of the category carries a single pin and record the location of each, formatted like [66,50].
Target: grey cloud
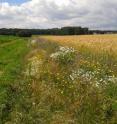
[95,14]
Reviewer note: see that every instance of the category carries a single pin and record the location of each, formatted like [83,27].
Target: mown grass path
[8,43]
[12,54]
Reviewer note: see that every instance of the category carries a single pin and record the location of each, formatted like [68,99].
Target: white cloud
[56,13]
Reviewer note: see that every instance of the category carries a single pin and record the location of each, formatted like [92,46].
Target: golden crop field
[93,48]
[95,42]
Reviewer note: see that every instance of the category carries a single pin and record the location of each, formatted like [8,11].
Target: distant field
[94,42]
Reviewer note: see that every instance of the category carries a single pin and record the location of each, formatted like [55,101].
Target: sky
[95,14]
[14,2]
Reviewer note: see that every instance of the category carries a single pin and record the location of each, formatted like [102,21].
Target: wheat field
[98,48]
[96,42]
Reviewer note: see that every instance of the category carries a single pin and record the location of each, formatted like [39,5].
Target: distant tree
[24,33]
[70,30]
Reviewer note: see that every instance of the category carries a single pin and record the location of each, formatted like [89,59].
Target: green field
[12,52]
[58,80]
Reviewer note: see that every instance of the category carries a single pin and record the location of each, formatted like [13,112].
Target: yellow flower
[61,92]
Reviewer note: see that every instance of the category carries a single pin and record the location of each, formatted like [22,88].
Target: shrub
[24,34]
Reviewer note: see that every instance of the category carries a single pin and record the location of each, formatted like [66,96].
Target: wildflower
[72,78]
[33,42]
[91,76]
[64,55]
[33,103]
[1,73]
[112,79]
[61,92]
[33,66]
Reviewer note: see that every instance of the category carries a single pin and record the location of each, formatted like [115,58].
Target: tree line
[54,31]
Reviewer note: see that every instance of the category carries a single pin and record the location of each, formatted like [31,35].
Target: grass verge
[12,53]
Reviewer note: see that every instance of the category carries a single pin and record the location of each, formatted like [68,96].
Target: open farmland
[98,48]
[63,80]
[96,62]
[97,43]
[58,61]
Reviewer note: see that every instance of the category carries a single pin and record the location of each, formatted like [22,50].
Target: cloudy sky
[95,14]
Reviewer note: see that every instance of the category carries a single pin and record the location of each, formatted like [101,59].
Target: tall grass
[67,84]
